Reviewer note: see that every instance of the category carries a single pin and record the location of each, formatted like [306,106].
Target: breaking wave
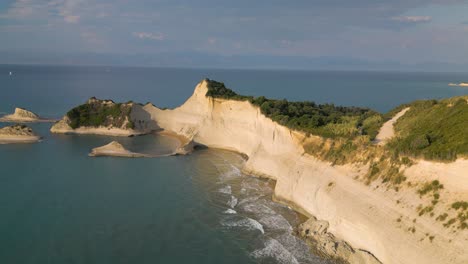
[247,223]
[274,249]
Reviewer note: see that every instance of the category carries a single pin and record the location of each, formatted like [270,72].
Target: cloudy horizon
[341,34]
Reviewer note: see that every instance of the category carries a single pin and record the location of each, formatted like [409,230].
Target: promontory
[402,198]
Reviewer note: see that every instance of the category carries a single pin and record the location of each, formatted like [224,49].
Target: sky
[291,34]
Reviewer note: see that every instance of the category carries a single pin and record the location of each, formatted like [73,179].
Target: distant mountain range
[209,60]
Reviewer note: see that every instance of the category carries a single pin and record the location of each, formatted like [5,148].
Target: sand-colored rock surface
[363,216]
[387,131]
[462,84]
[453,175]
[63,127]
[114,149]
[17,134]
[23,116]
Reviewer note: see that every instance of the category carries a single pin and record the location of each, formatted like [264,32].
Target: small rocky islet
[18,134]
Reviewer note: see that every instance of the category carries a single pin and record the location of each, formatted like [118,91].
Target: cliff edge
[405,201]
[370,217]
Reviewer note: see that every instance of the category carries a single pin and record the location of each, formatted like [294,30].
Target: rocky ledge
[326,244]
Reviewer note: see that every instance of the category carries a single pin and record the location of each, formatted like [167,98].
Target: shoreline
[115,149]
[100,131]
[365,216]
[26,120]
[19,139]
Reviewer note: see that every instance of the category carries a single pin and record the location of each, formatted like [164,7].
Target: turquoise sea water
[57,205]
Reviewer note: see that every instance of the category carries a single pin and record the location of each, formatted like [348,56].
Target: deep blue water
[52,90]
[57,205]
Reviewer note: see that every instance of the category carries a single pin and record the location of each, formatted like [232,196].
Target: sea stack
[18,134]
[21,115]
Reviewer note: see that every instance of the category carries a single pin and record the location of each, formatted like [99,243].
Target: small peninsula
[403,200]
[22,115]
[114,149]
[18,134]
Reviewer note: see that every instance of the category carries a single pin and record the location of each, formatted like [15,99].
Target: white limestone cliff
[366,217]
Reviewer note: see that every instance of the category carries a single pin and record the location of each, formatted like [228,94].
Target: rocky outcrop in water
[101,117]
[18,134]
[114,149]
[21,115]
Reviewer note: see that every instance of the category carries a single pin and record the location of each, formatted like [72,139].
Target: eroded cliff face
[366,217]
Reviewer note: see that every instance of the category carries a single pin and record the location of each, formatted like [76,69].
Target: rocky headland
[404,201]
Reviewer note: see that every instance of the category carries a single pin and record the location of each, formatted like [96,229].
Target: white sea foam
[257,207]
[299,249]
[247,223]
[230,211]
[277,222]
[249,199]
[274,249]
[226,190]
[232,172]
[232,202]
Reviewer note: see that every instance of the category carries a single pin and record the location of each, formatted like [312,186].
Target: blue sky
[237,33]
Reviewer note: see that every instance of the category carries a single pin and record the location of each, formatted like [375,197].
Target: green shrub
[433,186]
[434,130]
[326,120]
[95,113]
[461,204]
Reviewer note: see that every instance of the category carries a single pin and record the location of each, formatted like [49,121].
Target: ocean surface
[57,205]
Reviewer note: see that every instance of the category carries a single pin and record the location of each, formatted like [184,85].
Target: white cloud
[412,19]
[212,41]
[68,10]
[148,35]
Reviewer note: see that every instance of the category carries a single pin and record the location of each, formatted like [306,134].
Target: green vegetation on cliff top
[95,113]
[434,130]
[326,120]
[431,129]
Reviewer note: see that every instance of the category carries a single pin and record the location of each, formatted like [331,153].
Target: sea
[57,205]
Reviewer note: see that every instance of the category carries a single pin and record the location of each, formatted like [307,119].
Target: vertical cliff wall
[364,216]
